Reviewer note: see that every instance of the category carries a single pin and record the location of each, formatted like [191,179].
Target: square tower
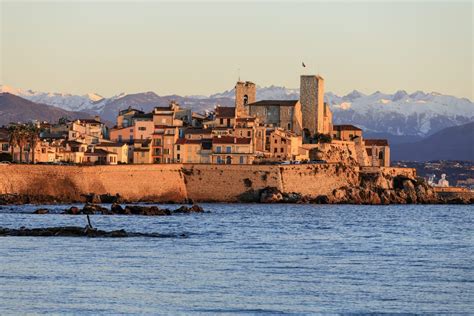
[312,103]
[245,93]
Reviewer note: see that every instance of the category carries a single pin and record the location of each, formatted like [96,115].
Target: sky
[191,48]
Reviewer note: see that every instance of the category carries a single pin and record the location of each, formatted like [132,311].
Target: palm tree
[22,139]
[33,138]
[12,139]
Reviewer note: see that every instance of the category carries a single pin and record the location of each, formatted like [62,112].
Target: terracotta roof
[224,111]
[274,103]
[183,141]
[345,127]
[231,140]
[111,144]
[198,131]
[376,142]
[130,109]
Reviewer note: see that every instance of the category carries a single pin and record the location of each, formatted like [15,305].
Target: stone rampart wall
[174,182]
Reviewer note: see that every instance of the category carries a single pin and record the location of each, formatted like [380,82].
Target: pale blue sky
[196,48]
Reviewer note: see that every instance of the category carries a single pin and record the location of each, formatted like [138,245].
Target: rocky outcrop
[74,231]
[117,209]
[372,189]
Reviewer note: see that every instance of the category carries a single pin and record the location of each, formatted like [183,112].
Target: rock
[293,198]
[73,231]
[193,209]
[90,209]
[321,199]
[117,209]
[408,185]
[270,195]
[146,210]
[72,211]
[41,211]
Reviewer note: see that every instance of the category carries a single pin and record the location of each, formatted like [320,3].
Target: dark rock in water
[193,209]
[117,209]
[90,209]
[146,210]
[72,211]
[41,211]
[74,231]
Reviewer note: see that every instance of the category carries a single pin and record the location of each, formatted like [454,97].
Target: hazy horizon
[198,48]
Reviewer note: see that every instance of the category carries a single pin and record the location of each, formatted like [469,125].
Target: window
[142,128]
[221,121]
[178,148]
[228,122]
[4,147]
[157,142]
[228,149]
[281,149]
[166,151]
[143,154]
[246,99]
[289,126]
[276,141]
[120,138]
[241,160]
[178,156]
[275,150]
[218,149]
[249,133]
[219,160]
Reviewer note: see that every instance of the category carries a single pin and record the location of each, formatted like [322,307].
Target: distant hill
[453,143]
[16,109]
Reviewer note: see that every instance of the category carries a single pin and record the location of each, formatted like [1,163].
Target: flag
[303,64]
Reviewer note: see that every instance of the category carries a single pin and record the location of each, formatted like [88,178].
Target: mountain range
[399,116]
[16,109]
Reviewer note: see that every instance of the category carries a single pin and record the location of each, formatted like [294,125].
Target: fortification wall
[174,182]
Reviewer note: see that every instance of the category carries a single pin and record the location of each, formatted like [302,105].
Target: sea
[245,259]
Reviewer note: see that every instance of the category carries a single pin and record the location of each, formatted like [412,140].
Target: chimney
[235,140]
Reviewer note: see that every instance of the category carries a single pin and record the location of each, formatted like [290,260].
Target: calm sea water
[246,258]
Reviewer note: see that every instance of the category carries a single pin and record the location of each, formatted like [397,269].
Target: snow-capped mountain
[91,102]
[419,114]
[264,93]
[401,113]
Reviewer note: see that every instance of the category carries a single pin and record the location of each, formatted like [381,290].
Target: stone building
[232,150]
[284,145]
[317,118]
[378,151]
[346,132]
[278,113]
[245,93]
